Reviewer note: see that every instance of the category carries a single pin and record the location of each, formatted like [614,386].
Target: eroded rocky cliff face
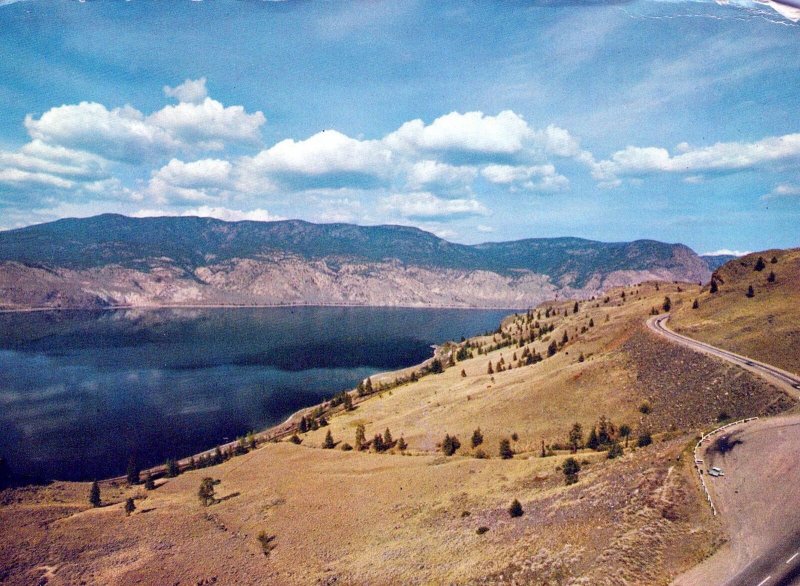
[113,260]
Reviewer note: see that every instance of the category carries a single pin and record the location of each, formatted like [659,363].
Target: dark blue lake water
[81,391]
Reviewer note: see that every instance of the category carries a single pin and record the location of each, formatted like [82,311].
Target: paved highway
[780,565]
[785,380]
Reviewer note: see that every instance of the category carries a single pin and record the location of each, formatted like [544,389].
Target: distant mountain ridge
[112,260]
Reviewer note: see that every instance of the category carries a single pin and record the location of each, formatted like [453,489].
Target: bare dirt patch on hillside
[686,389]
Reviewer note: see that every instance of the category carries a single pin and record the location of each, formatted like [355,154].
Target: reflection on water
[81,391]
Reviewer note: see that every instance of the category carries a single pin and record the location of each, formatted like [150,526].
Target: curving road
[780,565]
[780,378]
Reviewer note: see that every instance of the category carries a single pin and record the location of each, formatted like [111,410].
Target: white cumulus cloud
[722,156]
[425,205]
[327,152]
[475,132]
[191,90]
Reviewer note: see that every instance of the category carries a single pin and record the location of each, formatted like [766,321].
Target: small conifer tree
[575,437]
[401,444]
[644,439]
[450,445]
[760,264]
[750,291]
[328,444]
[505,451]
[713,288]
[774,260]
[133,471]
[387,438]
[615,451]
[94,495]
[130,507]
[571,468]
[695,304]
[206,491]
[625,431]
[593,443]
[515,510]
[361,437]
[477,438]
[148,482]
[771,277]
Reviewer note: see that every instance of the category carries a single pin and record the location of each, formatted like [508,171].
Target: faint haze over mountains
[486,121]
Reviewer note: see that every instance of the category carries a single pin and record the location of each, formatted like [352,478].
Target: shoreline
[260,306]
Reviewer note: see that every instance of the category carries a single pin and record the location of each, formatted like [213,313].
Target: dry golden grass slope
[766,326]
[359,517]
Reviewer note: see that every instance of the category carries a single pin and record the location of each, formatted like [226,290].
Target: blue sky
[477,121]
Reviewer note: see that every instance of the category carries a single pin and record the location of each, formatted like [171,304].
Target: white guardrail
[698,462]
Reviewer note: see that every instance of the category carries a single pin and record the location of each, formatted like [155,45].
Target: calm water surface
[81,391]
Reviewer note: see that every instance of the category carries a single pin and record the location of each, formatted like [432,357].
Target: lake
[81,391]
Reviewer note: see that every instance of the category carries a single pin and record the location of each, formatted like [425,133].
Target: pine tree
[515,510]
[667,305]
[625,431]
[490,370]
[206,491]
[450,445]
[695,304]
[303,425]
[94,495]
[571,468]
[713,288]
[575,437]
[760,264]
[564,338]
[575,308]
[251,441]
[593,443]
[401,444]
[133,471]
[368,386]
[591,322]
[477,438]
[360,389]
[774,260]
[172,468]
[615,451]
[750,291]
[552,349]
[148,482]
[361,437]
[771,277]
[463,373]
[387,438]
[505,451]
[377,443]
[328,444]
[644,439]
[130,507]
